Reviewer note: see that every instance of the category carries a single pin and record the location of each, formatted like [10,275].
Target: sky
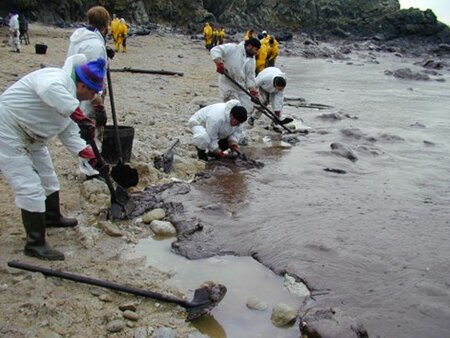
[441,8]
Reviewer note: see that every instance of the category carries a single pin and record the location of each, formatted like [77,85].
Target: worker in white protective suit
[271,83]
[41,105]
[238,60]
[217,128]
[90,41]
[14,31]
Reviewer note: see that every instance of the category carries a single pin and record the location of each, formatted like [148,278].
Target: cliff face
[342,17]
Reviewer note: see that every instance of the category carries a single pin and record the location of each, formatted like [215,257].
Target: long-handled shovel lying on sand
[122,174]
[205,298]
[262,108]
[119,197]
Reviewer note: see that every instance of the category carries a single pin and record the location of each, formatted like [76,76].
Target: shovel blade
[205,299]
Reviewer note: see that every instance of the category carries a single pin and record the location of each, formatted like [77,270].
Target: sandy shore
[157,106]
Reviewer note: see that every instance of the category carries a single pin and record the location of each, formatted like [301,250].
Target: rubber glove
[220,68]
[86,125]
[235,148]
[100,115]
[254,96]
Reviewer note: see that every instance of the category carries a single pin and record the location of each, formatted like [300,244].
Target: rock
[163,228]
[131,315]
[330,322]
[283,315]
[140,332]
[115,325]
[131,306]
[294,287]
[256,304]
[155,214]
[165,332]
[406,73]
[105,298]
[109,228]
[344,151]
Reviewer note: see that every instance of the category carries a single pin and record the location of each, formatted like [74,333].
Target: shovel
[123,174]
[120,197]
[262,108]
[165,160]
[205,297]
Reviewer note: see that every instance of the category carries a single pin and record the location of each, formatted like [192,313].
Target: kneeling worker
[218,127]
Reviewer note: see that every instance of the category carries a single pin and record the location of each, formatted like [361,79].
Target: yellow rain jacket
[262,57]
[249,35]
[221,36]
[122,34]
[207,35]
[115,28]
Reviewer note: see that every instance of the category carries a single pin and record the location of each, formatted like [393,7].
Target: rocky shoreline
[157,106]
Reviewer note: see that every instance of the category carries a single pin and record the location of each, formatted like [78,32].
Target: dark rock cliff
[361,18]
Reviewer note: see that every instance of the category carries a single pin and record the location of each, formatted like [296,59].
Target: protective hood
[228,106]
[73,61]
[83,35]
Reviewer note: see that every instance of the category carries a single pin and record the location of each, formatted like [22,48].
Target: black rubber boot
[202,154]
[34,223]
[53,217]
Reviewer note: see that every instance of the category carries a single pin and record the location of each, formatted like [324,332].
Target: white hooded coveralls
[14,32]
[267,90]
[240,67]
[32,111]
[91,44]
[212,124]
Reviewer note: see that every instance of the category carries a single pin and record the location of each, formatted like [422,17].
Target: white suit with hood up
[32,111]
[240,67]
[91,44]
[212,123]
[267,90]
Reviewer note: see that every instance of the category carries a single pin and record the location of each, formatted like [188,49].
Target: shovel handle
[263,109]
[101,283]
[101,161]
[113,113]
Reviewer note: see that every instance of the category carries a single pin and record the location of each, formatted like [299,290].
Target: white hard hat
[122,20]
[264,32]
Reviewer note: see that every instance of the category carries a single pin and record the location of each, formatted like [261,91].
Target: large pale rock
[283,315]
[155,214]
[163,228]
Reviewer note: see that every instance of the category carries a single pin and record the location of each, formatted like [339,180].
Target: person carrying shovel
[90,41]
[216,128]
[271,83]
[238,62]
[41,105]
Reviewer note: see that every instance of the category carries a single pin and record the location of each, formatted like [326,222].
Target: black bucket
[110,151]
[40,48]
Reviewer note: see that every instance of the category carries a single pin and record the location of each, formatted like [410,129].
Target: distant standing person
[221,36]
[208,35]
[239,62]
[216,128]
[90,41]
[115,23]
[271,83]
[14,31]
[122,37]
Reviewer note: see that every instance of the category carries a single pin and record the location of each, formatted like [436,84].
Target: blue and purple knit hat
[92,74]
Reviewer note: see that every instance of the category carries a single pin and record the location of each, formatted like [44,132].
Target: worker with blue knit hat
[41,105]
